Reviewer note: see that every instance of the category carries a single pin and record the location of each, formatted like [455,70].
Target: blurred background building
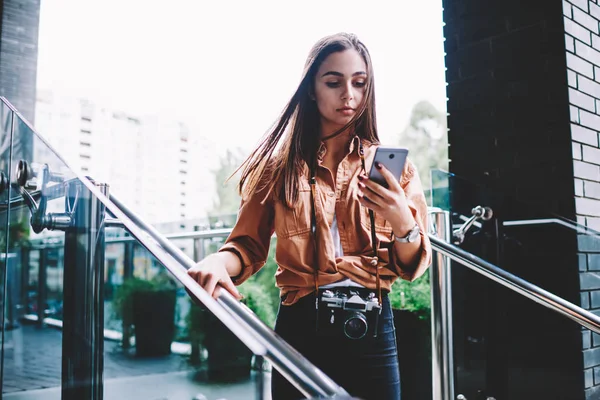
[154,164]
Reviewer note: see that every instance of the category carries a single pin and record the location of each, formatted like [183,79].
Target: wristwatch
[410,237]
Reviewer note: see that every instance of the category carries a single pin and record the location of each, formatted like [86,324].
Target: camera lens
[392,156]
[356,326]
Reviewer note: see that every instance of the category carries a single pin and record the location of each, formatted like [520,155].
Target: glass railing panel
[8,307]
[192,350]
[34,362]
[501,338]
[49,268]
[183,342]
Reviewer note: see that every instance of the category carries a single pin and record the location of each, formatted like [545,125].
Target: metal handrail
[195,235]
[518,285]
[559,221]
[491,271]
[258,337]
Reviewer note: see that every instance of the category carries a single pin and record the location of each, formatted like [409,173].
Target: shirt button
[330,194]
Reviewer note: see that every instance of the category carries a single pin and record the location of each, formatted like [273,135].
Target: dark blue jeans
[366,368]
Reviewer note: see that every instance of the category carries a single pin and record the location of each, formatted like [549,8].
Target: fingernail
[361,185]
[360,177]
[378,165]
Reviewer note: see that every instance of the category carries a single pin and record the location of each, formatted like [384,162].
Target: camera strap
[313,223]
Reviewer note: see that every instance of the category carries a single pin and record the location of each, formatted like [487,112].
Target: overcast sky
[229,67]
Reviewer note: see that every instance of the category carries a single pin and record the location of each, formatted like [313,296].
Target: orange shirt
[259,217]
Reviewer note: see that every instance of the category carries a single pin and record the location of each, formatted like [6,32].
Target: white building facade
[155,165]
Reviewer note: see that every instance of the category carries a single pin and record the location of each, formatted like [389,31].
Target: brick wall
[19,53]
[582,46]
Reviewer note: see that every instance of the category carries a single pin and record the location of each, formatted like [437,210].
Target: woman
[306,181]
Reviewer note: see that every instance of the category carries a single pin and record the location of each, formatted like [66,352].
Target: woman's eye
[332,84]
[360,84]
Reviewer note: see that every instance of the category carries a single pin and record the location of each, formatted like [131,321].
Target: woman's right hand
[212,273]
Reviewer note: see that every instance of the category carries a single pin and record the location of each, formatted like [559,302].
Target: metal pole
[127,274]
[441,314]
[42,293]
[198,255]
[83,321]
[24,301]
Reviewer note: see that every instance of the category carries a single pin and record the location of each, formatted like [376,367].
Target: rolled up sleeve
[418,205]
[251,235]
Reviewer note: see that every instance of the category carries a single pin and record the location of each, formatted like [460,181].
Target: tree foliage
[426,137]
[227,200]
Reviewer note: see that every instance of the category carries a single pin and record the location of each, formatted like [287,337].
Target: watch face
[412,236]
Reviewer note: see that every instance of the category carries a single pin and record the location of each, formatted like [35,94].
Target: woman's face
[339,89]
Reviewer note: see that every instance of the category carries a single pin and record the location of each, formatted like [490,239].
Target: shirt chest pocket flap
[296,220]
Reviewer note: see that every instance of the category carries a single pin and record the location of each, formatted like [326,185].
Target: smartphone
[393,158]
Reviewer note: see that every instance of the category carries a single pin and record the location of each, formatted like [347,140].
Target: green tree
[426,137]
[228,199]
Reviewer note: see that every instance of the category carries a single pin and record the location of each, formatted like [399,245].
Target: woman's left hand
[388,202]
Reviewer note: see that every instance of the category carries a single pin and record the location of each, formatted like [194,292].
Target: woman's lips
[346,111]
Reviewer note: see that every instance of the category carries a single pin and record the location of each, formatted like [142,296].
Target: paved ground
[32,370]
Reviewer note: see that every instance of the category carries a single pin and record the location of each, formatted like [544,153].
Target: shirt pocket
[296,220]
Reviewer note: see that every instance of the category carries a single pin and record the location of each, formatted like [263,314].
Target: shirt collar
[353,146]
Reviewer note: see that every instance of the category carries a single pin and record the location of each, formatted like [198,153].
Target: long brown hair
[280,171]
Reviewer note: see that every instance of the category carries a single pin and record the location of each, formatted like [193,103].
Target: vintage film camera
[347,311]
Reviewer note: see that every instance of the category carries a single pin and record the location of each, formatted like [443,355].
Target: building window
[85,144]
[84,169]
[85,156]
[89,119]
[183,182]
[183,161]
[184,172]
[183,150]
[86,131]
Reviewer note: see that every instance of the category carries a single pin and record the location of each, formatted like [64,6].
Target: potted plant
[411,306]
[148,305]
[228,358]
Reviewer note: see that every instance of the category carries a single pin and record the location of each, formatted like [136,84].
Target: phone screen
[393,158]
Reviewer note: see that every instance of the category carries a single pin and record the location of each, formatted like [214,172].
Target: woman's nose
[347,93]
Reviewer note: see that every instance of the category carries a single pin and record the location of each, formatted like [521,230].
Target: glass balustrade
[506,345]
[87,310]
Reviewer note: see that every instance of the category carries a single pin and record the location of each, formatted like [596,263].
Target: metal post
[198,255]
[42,292]
[198,246]
[83,321]
[441,314]
[24,301]
[127,274]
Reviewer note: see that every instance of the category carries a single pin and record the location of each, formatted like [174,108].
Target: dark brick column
[524,116]
[19,53]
